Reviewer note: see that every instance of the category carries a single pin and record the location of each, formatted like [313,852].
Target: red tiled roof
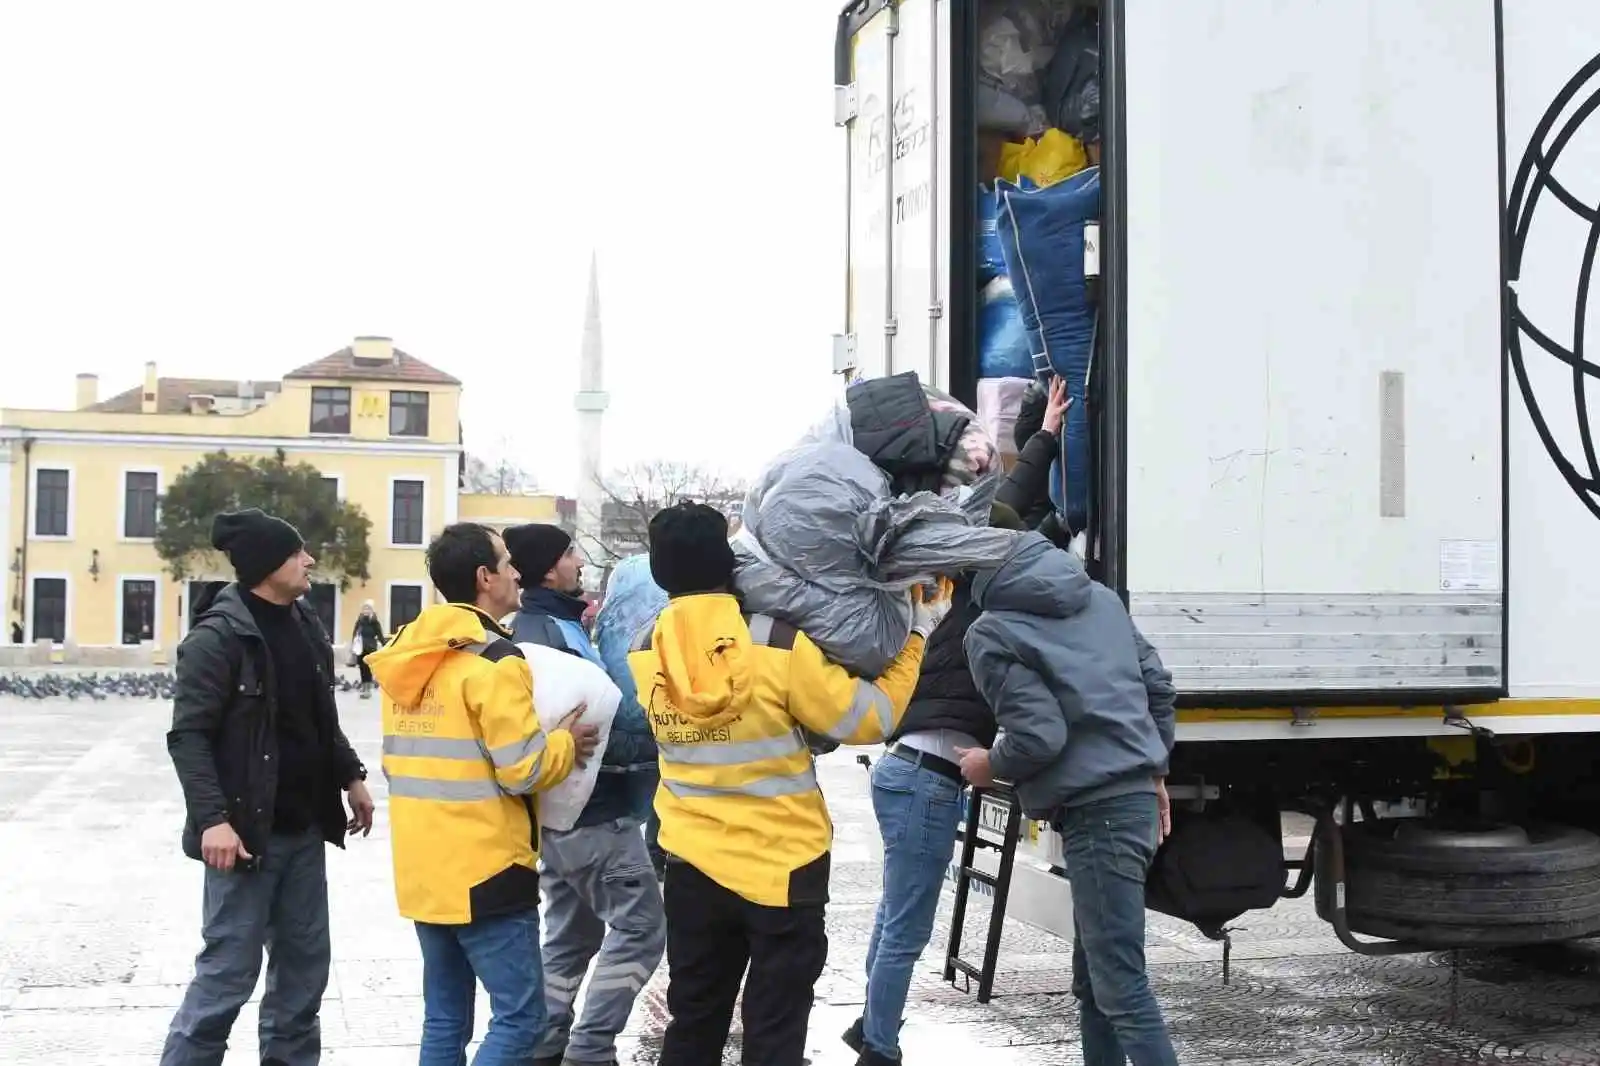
[342,366]
[172,395]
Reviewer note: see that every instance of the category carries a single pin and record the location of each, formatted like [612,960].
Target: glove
[927,612]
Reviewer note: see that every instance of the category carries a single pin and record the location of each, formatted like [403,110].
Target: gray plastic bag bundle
[826,548]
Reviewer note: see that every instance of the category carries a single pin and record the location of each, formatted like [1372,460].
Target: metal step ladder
[999,884]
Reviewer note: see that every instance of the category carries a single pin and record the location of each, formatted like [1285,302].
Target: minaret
[591,402]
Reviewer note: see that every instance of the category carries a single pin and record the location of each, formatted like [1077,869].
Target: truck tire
[1471,886]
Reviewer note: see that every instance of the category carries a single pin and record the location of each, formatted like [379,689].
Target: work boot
[550,1060]
[872,1058]
[855,1037]
[366,690]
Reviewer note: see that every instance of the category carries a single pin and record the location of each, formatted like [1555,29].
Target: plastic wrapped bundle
[826,547]
[1016,41]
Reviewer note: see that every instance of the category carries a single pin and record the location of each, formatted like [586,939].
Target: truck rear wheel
[1475,885]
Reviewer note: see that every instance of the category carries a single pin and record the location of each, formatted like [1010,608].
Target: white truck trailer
[1345,474]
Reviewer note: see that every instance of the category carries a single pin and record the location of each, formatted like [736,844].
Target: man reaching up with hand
[465,757]
[1087,714]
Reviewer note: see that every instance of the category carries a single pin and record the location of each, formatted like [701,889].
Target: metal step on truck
[1342,463]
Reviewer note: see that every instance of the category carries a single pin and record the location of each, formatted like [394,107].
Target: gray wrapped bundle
[826,548]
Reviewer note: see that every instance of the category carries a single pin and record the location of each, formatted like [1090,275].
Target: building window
[330,410]
[406,505]
[52,503]
[324,599]
[331,486]
[408,414]
[50,609]
[405,603]
[139,492]
[138,610]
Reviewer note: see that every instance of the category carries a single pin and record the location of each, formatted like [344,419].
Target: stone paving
[99,911]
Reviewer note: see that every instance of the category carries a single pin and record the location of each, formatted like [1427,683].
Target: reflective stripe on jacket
[464,756]
[728,700]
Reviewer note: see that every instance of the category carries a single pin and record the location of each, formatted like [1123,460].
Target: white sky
[236,190]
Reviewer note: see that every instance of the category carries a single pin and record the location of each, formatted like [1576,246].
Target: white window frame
[388,534]
[155,624]
[388,600]
[72,502]
[122,504]
[28,614]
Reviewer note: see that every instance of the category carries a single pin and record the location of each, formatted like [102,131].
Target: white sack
[561,681]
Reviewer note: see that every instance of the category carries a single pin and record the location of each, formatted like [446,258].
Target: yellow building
[77,523]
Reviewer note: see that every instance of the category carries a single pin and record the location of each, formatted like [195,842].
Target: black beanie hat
[689,550]
[255,542]
[535,549]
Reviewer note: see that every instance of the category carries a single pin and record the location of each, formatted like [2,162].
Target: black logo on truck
[1537,191]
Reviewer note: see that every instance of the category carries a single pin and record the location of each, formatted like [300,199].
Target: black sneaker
[872,1058]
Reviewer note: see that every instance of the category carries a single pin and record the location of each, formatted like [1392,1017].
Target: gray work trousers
[281,909]
[601,897]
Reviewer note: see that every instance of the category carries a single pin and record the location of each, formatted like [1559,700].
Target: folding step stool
[999,883]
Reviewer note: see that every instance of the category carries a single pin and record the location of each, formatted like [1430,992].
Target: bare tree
[631,496]
[496,476]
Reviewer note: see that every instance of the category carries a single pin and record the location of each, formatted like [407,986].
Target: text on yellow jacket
[464,757]
[728,697]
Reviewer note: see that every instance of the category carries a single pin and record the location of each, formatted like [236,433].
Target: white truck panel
[915,164]
[1554,613]
[1314,400]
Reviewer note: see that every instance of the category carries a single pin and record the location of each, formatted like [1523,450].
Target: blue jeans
[1109,845]
[503,953]
[918,813]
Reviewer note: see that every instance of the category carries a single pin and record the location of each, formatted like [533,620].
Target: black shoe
[549,1060]
[855,1037]
[872,1058]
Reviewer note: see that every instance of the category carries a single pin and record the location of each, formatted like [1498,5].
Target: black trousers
[712,935]
[361,665]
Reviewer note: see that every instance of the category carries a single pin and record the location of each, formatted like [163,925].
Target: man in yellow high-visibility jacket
[745,827]
[464,757]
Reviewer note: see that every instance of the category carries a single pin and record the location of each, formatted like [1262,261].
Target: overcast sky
[235,190]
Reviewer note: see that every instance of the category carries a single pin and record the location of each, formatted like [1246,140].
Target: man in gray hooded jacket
[1087,718]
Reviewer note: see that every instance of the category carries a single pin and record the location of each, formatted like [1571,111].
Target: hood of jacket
[404,666]
[1036,578]
[703,646]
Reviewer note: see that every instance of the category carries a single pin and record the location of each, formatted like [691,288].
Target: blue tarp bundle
[1041,237]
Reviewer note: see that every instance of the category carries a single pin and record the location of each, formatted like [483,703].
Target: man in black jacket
[916,794]
[256,742]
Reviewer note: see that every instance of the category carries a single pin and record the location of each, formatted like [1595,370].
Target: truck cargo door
[1313,343]
[1552,136]
[893,99]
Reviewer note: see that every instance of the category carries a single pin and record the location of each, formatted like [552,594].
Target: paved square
[99,918]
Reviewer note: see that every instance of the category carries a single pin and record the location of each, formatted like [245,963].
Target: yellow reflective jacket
[727,699]
[463,754]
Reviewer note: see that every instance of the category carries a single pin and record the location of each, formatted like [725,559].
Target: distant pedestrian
[366,638]
[256,742]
